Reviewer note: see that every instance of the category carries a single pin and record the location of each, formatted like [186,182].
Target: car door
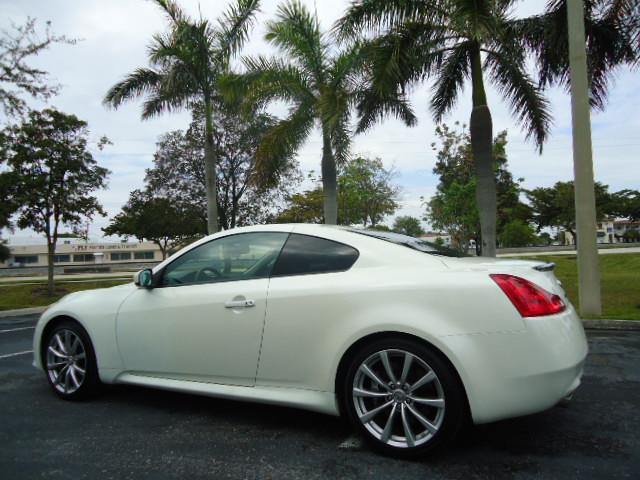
[310,293]
[204,319]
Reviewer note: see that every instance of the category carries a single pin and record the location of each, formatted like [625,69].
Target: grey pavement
[136,433]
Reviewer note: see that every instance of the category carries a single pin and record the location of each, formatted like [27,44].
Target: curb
[21,311]
[622,325]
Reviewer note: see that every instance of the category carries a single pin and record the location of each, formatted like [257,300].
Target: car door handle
[240,304]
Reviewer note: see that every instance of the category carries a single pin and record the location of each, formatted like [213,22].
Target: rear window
[304,254]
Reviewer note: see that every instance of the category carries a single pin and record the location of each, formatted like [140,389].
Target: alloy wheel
[398,398]
[66,361]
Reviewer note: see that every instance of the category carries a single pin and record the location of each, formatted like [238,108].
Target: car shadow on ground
[559,430]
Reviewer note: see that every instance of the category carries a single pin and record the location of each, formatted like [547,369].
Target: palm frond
[379,15]
[163,49]
[346,67]
[175,90]
[297,33]
[269,79]
[450,77]
[141,81]
[172,10]
[508,72]
[280,142]
[609,43]
[341,138]
[234,26]
[373,106]
[162,102]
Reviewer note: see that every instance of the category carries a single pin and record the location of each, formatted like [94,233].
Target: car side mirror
[143,278]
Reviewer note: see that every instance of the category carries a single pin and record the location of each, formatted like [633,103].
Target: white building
[608,231]
[75,252]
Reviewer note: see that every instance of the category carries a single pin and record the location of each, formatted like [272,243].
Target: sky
[114,36]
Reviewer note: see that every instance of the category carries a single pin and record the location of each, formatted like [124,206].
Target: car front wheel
[403,397]
[70,362]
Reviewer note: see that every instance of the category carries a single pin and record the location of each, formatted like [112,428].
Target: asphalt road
[139,433]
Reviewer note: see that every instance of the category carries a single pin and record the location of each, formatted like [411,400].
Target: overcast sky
[115,35]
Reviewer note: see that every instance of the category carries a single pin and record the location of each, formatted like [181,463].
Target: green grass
[620,282]
[26,296]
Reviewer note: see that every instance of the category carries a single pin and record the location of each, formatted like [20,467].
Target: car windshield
[410,242]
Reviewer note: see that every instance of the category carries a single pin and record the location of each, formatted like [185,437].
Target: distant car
[385,329]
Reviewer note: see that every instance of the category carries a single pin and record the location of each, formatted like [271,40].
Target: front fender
[95,311]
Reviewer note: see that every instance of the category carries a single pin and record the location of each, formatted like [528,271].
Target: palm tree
[612,30]
[321,85]
[187,63]
[454,42]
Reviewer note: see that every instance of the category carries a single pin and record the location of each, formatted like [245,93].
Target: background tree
[366,192]
[555,207]
[186,65]
[626,204]
[178,171]
[454,207]
[156,219]
[53,173]
[517,234]
[17,78]
[320,83]
[304,207]
[366,195]
[631,236]
[408,225]
[452,42]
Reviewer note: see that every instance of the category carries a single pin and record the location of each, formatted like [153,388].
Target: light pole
[588,266]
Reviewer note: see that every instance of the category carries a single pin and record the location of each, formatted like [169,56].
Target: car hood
[113,294]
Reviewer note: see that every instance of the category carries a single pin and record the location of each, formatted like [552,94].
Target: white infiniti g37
[405,342]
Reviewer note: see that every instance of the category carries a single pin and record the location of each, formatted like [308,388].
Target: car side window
[304,254]
[237,257]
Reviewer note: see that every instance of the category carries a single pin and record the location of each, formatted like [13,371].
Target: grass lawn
[620,280]
[26,296]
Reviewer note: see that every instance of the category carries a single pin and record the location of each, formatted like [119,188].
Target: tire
[70,362]
[429,390]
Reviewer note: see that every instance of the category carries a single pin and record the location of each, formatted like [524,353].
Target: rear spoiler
[545,267]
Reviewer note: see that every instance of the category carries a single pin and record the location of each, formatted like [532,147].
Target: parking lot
[138,433]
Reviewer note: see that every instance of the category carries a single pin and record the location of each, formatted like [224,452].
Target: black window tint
[305,254]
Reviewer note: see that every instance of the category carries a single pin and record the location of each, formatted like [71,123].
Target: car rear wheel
[403,397]
[70,362]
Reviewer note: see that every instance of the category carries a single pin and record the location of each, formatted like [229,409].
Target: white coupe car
[404,341]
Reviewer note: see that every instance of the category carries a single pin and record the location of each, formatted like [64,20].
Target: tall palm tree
[454,42]
[320,84]
[187,63]
[612,30]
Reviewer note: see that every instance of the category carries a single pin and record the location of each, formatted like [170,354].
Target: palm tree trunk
[329,181]
[481,130]
[210,171]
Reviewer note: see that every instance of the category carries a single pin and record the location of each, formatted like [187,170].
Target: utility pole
[588,264]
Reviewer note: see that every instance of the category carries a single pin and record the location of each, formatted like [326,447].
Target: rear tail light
[528,298]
